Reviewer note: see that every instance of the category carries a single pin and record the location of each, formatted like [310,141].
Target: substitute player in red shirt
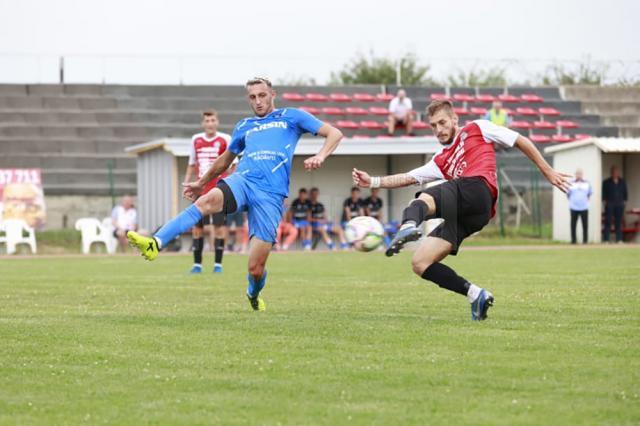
[205,148]
[466,201]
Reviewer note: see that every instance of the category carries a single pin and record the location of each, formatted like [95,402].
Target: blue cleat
[217,268]
[196,269]
[404,236]
[481,305]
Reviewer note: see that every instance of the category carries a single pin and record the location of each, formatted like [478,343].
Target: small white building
[595,156]
[161,165]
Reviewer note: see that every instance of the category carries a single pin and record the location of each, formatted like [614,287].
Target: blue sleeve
[306,122]
[237,139]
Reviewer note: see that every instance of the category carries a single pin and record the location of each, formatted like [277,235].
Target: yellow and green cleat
[257,304]
[147,246]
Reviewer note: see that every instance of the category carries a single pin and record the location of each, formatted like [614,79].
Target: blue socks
[179,224]
[255,287]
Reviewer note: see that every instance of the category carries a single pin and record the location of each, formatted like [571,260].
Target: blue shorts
[299,223]
[264,209]
[321,225]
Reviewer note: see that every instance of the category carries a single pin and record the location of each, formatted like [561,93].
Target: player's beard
[452,136]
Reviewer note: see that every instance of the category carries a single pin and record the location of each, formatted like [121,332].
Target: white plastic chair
[93,231]
[107,224]
[14,230]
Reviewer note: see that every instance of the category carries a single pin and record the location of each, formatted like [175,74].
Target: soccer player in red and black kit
[205,148]
[466,201]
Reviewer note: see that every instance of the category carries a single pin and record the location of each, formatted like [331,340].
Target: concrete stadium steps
[55,160]
[88,181]
[57,102]
[111,146]
[123,130]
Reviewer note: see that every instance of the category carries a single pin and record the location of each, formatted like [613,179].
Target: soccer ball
[364,233]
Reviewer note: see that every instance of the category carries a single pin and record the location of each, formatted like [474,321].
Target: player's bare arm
[362,179]
[332,137]
[192,189]
[190,172]
[558,179]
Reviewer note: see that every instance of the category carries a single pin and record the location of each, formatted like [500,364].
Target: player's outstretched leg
[412,217]
[150,246]
[257,278]
[426,264]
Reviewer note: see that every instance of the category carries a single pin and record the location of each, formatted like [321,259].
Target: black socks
[417,212]
[198,245]
[447,278]
[219,247]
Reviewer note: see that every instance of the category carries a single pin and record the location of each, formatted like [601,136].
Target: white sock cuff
[473,293]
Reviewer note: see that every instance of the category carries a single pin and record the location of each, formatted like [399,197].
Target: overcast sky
[200,41]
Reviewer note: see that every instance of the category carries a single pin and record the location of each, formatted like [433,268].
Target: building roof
[374,146]
[608,145]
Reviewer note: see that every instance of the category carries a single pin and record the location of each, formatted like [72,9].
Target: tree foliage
[377,70]
[492,77]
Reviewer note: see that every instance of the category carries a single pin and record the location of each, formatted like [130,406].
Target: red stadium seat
[540,138]
[508,98]
[440,97]
[543,125]
[340,97]
[581,136]
[478,110]
[418,125]
[310,109]
[356,111]
[561,138]
[567,124]
[520,124]
[364,97]
[316,97]
[461,111]
[379,111]
[384,97]
[526,111]
[530,97]
[485,98]
[347,124]
[332,111]
[548,111]
[463,97]
[372,125]
[294,97]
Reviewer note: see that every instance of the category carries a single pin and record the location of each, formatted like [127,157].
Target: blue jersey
[268,144]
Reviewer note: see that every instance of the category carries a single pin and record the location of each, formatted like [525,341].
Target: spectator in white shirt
[124,218]
[578,194]
[400,113]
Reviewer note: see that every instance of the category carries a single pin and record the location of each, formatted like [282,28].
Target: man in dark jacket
[614,195]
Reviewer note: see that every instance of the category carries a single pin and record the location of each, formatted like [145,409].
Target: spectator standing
[498,115]
[614,196]
[400,113]
[578,194]
[124,217]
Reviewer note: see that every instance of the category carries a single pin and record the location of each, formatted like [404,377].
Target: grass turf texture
[347,338]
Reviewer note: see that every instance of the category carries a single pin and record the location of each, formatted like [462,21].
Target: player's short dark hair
[314,189]
[258,80]
[439,105]
[209,113]
[301,190]
[355,188]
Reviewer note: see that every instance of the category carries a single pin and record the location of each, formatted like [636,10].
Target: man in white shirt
[124,218]
[579,194]
[400,113]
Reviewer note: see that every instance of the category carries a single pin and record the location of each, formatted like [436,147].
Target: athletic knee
[256,270]
[210,203]
[419,265]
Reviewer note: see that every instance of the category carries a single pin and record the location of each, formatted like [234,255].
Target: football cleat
[147,246]
[196,269]
[404,236]
[481,305]
[257,304]
[217,268]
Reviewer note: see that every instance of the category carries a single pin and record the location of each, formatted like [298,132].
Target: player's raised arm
[332,137]
[423,174]
[558,179]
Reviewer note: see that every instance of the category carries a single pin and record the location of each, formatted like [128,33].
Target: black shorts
[465,204]
[216,219]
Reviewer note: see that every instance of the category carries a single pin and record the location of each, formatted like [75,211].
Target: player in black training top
[318,219]
[300,213]
[352,206]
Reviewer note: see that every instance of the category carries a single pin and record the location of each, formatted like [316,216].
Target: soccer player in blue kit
[259,185]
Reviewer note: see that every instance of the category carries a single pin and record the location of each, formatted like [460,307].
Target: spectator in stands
[286,230]
[124,218]
[579,193]
[614,195]
[300,210]
[498,115]
[400,113]
[318,219]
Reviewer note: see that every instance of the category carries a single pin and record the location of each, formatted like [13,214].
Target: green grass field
[347,338]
